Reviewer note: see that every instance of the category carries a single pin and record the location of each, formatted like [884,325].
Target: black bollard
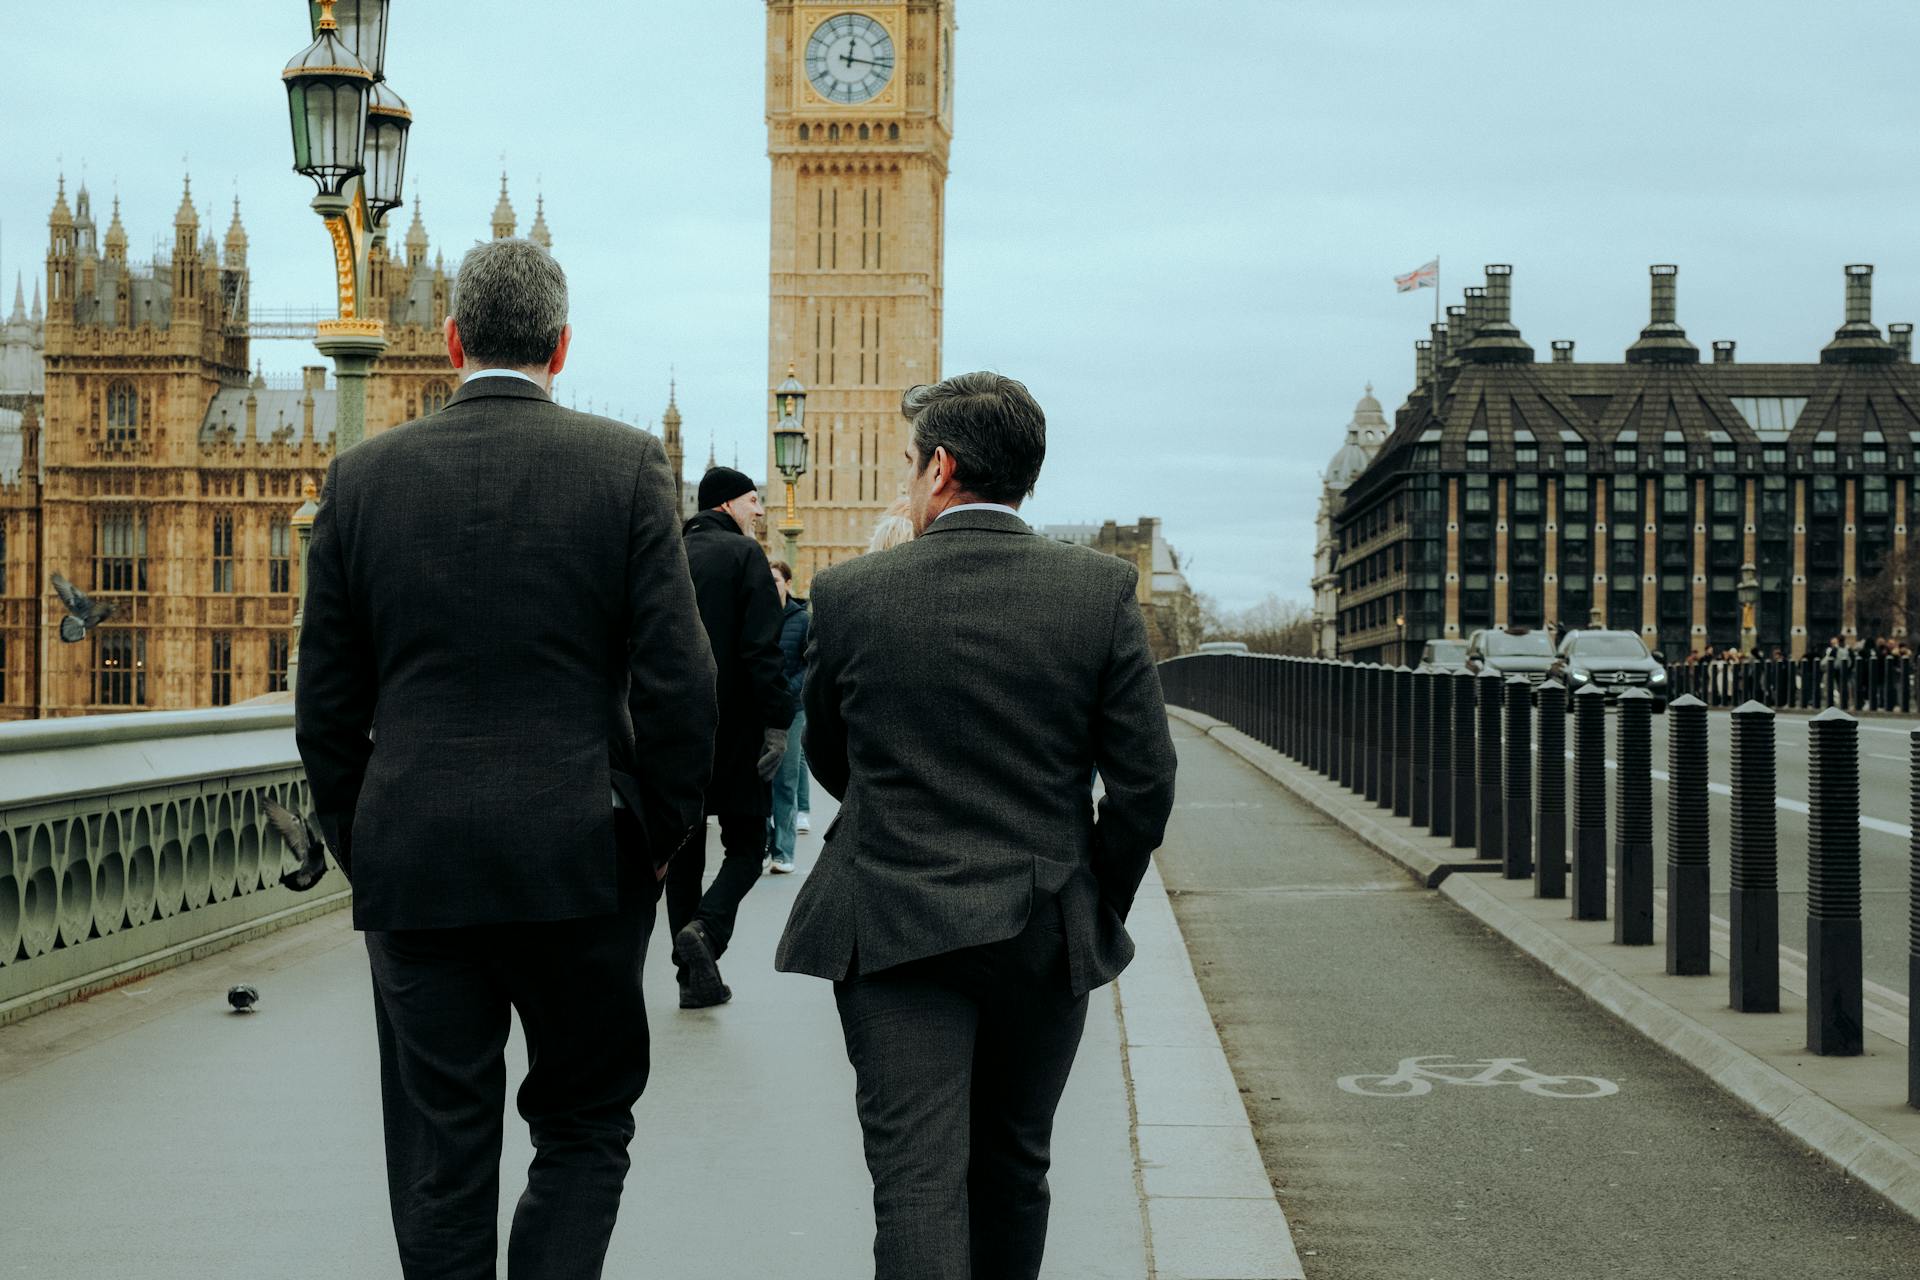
[1753,903]
[1420,773]
[1370,731]
[1489,823]
[1833,886]
[1913,902]
[1550,795]
[1403,741]
[1440,757]
[1337,695]
[1465,687]
[1689,901]
[1633,824]
[1516,840]
[1321,701]
[1589,804]
[1383,735]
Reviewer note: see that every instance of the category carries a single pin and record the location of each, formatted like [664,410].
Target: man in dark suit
[740,607]
[960,691]
[505,707]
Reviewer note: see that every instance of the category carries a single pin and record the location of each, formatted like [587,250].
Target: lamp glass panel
[386,156]
[789,449]
[363,29]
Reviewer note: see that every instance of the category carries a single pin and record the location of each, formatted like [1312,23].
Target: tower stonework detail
[859,125]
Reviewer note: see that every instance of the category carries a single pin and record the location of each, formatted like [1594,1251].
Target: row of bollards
[1481,762]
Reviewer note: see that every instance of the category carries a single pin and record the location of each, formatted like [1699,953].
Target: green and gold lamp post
[350,137]
[790,455]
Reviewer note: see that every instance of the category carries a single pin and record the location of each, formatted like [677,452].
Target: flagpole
[1436,288]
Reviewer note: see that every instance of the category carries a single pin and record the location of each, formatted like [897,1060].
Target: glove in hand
[773,748]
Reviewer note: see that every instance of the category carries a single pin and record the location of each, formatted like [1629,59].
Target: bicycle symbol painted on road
[1415,1077]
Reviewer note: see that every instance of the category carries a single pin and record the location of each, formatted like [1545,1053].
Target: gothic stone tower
[859,123]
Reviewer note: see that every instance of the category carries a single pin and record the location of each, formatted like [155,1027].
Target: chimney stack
[1495,340]
[1900,338]
[1457,333]
[1422,361]
[1663,341]
[313,377]
[1563,350]
[1440,347]
[1857,341]
[1476,296]
[1723,351]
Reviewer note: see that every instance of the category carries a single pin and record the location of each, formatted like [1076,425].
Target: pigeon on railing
[303,836]
[84,613]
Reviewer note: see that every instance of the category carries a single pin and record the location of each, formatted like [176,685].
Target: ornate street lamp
[350,137]
[1749,609]
[790,454]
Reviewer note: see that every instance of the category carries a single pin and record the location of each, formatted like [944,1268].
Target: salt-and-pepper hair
[893,528]
[509,304]
[989,424]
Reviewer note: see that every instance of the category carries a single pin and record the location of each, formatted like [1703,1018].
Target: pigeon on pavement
[84,613]
[308,844]
[242,998]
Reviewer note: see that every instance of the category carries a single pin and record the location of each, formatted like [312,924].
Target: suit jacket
[499,628]
[740,608]
[960,690]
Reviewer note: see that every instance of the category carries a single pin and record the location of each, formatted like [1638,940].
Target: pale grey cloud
[1178,223]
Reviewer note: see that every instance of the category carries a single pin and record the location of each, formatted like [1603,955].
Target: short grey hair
[990,425]
[509,304]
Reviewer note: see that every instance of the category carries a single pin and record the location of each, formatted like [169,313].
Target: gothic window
[280,556]
[3,569]
[865,134]
[3,666]
[223,554]
[278,647]
[120,667]
[833,133]
[893,133]
[435,397]
[120,550]
[123,413]
[221,667]
[805,133]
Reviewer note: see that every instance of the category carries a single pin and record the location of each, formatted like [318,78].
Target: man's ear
[559,361]
[944,463]
[455,352]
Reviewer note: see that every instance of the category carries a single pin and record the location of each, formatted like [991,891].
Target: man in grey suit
[505,707]
[960,691]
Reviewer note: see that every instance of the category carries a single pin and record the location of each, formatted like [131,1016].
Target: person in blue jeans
[790,780]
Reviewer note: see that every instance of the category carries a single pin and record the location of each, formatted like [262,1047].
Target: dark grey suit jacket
[499,592]
[960,690]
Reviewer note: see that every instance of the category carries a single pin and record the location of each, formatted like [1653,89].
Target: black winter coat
[741,609]
[795,624]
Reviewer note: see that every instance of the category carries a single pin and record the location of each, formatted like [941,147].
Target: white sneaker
[780,867]
[802,822]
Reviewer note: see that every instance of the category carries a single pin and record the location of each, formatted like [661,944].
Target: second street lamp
[790,455]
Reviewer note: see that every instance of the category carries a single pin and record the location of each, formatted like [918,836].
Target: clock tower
[859,122]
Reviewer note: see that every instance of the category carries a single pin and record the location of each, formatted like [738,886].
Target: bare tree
[1272,626]
[1881,600]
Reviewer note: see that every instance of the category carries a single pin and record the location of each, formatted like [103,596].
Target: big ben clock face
[849,58]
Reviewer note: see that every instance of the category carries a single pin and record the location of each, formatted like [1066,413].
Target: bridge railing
[128,842]
[1454,754]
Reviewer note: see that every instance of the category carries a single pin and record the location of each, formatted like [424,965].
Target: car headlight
[1578,676]
[1659,676]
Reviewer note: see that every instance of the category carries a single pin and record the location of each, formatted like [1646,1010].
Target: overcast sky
[1177,223]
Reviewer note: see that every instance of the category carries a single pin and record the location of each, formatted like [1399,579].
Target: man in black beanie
[741,609]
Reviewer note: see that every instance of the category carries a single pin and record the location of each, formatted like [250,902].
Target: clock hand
[866,62]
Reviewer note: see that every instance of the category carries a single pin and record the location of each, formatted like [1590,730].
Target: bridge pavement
[150,1133]
[1322,962]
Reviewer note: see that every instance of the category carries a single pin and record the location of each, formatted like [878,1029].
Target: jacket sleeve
[793,649]
[337,686]
[757,605]
[826,733]
[1133,750]
[670,672]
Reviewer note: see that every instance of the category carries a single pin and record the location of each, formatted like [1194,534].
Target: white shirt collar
[499,373]
[977,506]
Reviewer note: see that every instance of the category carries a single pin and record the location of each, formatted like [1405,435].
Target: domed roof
[1366,432]
[1346,465]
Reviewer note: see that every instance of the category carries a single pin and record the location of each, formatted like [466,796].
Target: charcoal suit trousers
[960,1060]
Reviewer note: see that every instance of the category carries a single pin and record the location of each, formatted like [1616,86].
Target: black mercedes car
[1613,661]
[1508,651]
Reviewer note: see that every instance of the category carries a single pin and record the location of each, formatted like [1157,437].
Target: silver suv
[1613,661]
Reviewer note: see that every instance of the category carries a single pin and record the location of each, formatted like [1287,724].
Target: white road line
[1792,806]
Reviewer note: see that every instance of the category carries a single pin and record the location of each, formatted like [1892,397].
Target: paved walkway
[150,1133]
[1326,969]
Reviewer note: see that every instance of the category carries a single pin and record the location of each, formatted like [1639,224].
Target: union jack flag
[1426,277]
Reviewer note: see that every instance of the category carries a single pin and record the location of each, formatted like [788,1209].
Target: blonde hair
[893,528]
